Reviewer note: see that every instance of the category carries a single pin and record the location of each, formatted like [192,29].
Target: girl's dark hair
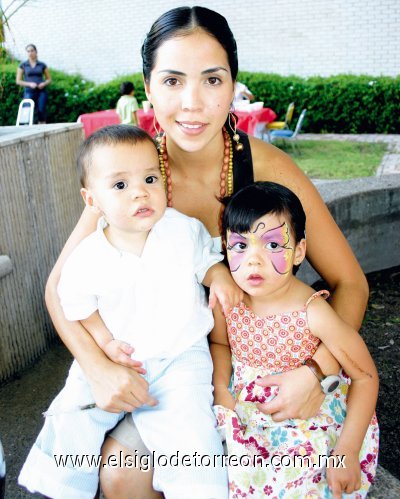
[126,87]
[31,45]
[109,135]
[259,199]
[182,21]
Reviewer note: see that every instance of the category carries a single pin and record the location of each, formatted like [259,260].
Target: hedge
[337,104]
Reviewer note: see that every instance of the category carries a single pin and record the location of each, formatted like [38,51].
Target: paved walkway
[391,160]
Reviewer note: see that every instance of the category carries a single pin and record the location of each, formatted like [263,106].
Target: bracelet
[314,367]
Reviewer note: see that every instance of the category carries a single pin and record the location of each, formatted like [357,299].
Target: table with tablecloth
[248,121]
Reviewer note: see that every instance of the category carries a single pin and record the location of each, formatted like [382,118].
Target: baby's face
[261,260]
[126,186]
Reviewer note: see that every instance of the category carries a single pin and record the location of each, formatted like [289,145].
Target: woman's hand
[345,478]
[33,85]
[117,388]
[299,396]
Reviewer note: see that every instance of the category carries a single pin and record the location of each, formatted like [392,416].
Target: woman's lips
[191,127]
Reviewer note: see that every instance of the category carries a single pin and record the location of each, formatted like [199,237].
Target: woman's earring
[159,134]
[235,136]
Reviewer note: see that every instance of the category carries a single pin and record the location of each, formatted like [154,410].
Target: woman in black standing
[34,76]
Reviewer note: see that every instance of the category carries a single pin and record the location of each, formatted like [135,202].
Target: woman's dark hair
[259,199]
[109,135]
[31,45]
[126,87]
[182,21]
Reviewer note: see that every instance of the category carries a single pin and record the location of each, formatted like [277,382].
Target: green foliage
[338,104]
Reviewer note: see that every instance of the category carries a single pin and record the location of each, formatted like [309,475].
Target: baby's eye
[213,80]
[151,179]
[171,82]
[273,246]
[119,186]
[238,247]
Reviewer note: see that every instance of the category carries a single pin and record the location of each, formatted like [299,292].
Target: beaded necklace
[226,176]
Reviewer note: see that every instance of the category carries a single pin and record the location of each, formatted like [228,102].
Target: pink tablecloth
[93,121]
[247,121]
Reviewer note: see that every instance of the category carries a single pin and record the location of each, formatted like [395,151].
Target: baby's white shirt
[154,302]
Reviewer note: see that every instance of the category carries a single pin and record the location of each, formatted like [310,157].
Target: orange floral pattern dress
[263,454]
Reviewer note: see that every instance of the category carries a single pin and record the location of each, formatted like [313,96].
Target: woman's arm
[47,81]
[329,253]
[21,82]
[113,385]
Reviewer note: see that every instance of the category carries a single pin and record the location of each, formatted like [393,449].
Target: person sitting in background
[127,105]
[30,76]
[242,93]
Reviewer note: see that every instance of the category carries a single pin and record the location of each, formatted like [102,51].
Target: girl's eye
[238,247]
[119,186]
[151,179]
[171,82]
[273,246]
[213,80]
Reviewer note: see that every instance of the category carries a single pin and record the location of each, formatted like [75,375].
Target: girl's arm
[115,388]
[47,81]
[221,356]
[348,347]
[331,256]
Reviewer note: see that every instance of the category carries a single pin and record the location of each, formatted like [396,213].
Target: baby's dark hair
[259,199]
[126,87]
[109,135]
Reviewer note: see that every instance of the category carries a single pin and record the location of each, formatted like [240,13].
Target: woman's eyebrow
[172,71]
[214,70]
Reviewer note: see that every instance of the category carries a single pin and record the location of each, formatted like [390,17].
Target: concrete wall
[368,212]
[39,206]
[101,38]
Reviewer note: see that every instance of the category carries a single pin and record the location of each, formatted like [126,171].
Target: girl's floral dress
[261,452]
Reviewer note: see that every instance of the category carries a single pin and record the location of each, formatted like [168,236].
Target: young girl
[278,327]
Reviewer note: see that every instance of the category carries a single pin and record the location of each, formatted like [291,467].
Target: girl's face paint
[275,242]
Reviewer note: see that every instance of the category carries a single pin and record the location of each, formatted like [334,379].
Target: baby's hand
[344,479]
[224,289]
[120,352]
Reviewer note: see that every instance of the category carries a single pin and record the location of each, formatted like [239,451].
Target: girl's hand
[300,395]
[33,85]
[120,352]
[222,396]
[346,479]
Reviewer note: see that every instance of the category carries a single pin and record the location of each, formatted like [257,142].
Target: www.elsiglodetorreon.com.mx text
[146,462]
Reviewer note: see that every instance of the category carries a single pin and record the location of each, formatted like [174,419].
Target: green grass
[334,159]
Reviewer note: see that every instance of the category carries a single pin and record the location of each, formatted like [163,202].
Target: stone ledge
[386,486]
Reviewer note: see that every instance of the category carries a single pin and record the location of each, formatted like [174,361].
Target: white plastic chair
[26,111]
[289,135]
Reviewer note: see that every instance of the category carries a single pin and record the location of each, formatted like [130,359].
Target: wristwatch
[328,383]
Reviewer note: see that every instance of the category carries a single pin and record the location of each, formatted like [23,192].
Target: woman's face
[191,89]
[32,54]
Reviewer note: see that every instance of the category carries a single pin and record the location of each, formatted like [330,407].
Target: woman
[30,75]
[191,97]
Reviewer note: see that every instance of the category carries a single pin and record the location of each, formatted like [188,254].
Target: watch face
[330,383]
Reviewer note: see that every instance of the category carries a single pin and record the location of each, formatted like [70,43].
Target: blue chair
[289,135]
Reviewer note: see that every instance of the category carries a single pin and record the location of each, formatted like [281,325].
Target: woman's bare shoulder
[272,164]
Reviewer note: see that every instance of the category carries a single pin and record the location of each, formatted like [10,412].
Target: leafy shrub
[337,104]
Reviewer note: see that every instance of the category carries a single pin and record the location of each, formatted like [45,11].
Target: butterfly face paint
[275,242]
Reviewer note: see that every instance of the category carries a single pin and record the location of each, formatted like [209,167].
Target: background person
[34,76]
[242,93]
[127,104]
[191,98]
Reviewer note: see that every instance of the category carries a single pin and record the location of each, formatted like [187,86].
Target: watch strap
[314,367]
